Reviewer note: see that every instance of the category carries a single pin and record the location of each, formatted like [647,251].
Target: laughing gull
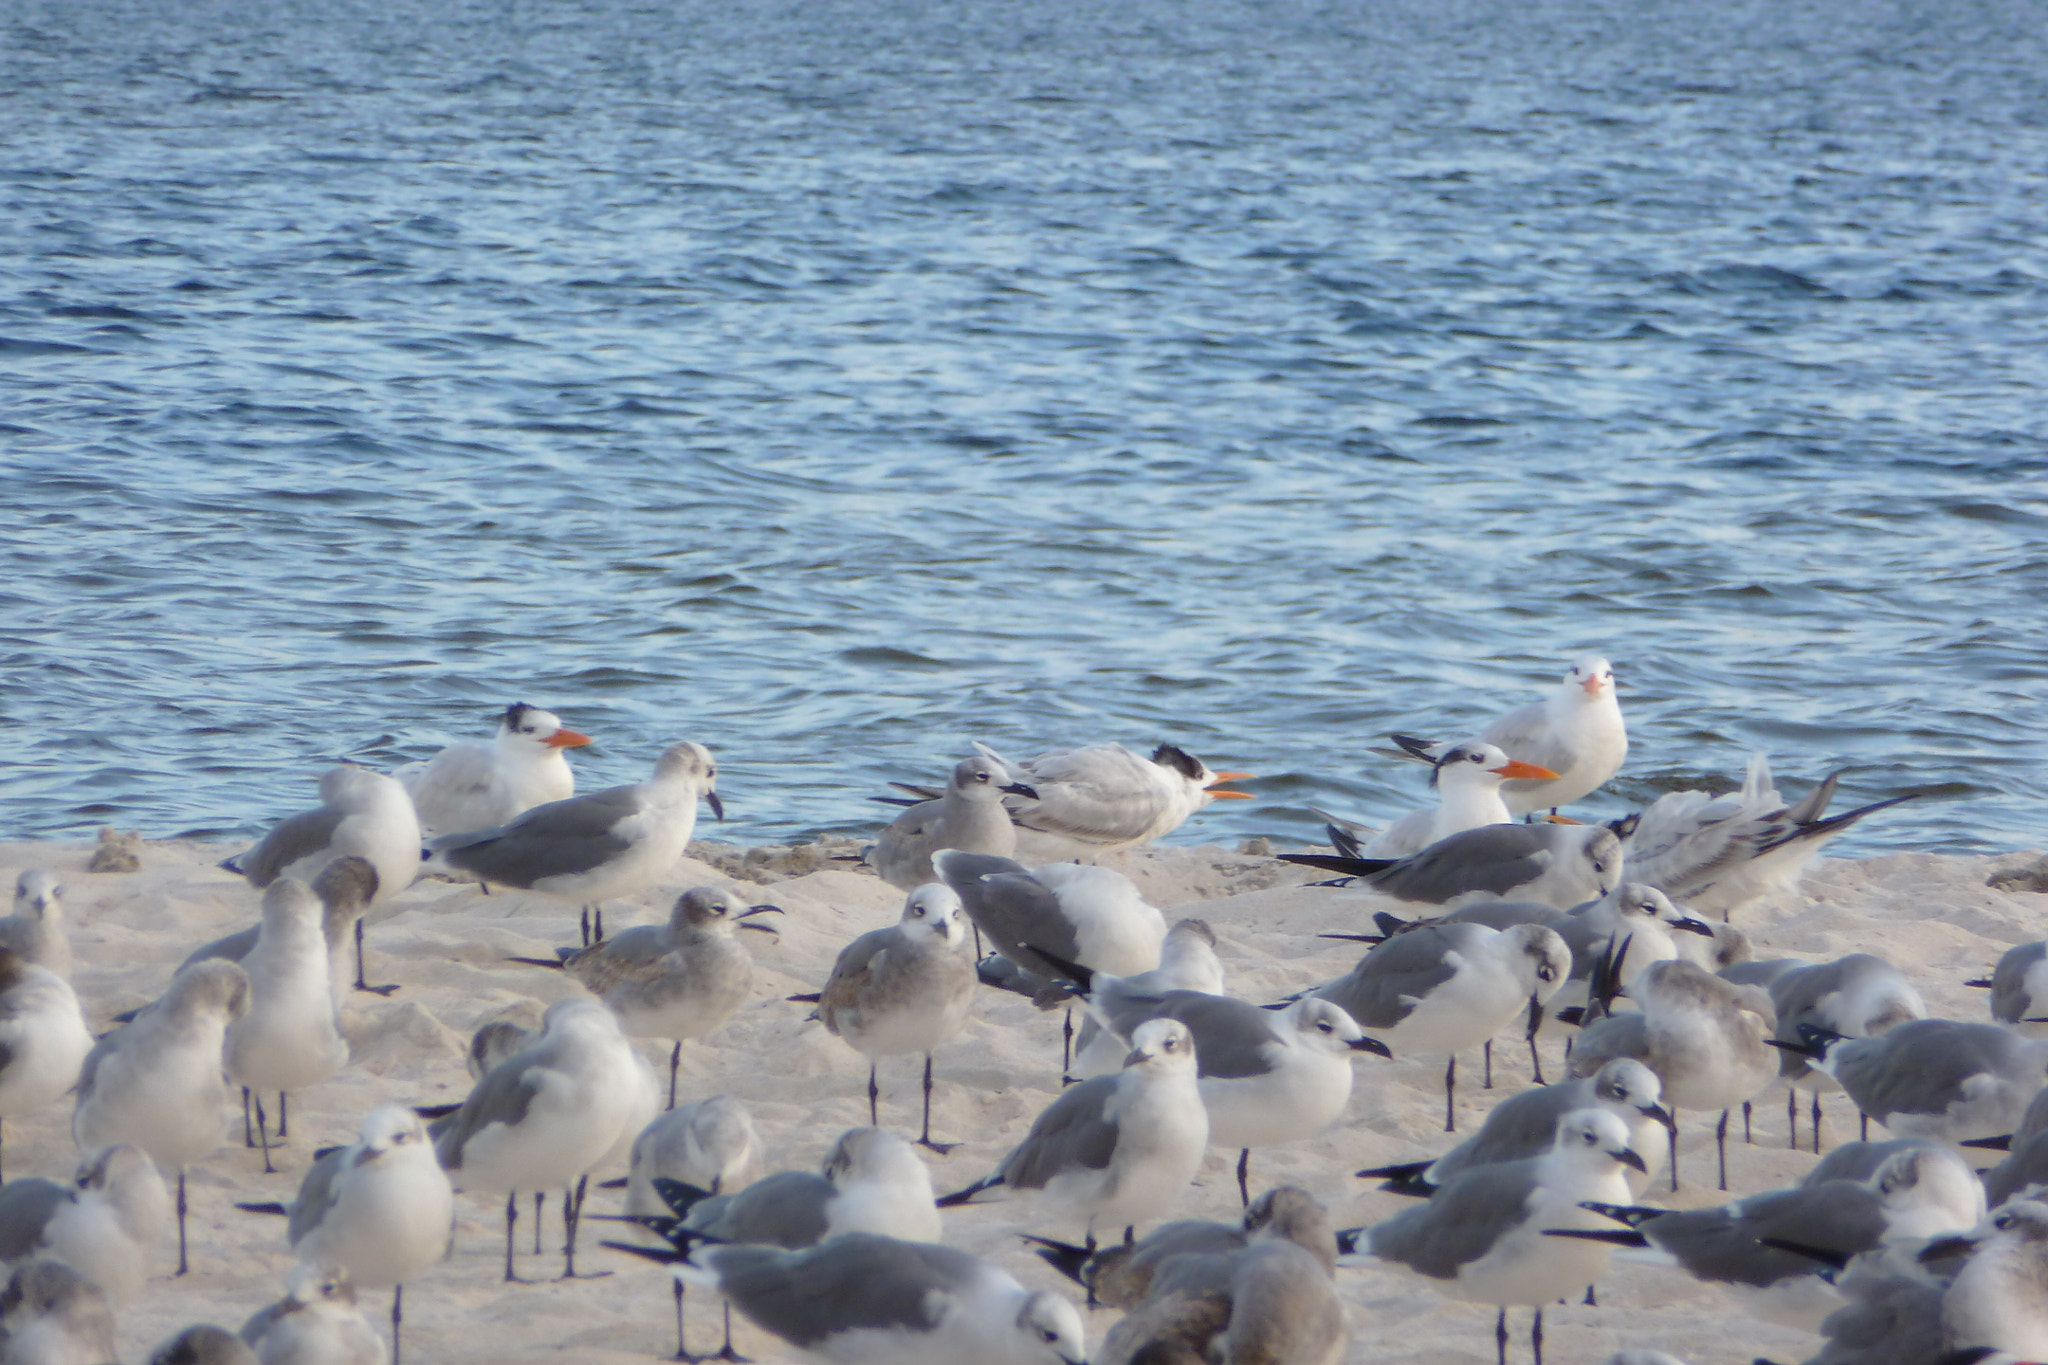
[679,980]
[315,1323]
[379,1210]
[35,931]
[1576,731]
[476,785]
[588,849]
[1934,1078]
[1559,865]
[871,1182]
[862,1298]
[156,1081]
[1467,778]
[1858,996]
[1725,852]
[43,1038]
[710,1145]
[346,888]
[204,1343]
[1772,1247]
[360,812]
[1117,1150]
[1187,962]
[541,1119]
[2024,1171]
[1525,1125]
[1704,1037]
[1270,1301]
[2000,1297]
[106,1224]
[1105,797]
[52,1315]
[906,988]
[1443,988]
[969,817]
[1121,1276]
[2018,984]
[1265,1077]
[288,1038]
[1481,1235]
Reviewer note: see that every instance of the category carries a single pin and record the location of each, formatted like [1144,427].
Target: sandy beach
[447,947]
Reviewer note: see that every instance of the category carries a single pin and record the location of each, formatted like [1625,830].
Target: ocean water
[839,382]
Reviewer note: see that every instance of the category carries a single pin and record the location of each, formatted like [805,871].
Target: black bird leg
[925,1138]
[1451,1095]
[1721,1146]
[1244,1172]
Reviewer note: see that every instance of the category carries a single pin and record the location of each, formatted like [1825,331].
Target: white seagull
[476,784]
[1576,732]
[1105,797]
[360,812]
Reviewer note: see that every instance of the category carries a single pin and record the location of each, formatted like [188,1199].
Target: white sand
[446,945]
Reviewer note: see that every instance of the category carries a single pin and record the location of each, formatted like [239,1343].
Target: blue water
[838,382]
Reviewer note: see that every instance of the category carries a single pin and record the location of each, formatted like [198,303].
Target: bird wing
[1528,734]
[1074,1131]
[1393,976]
[561,838]
[502,1096]
[857,1280]
[318,1192]
[1460,1222]
[855,968]
[288,841]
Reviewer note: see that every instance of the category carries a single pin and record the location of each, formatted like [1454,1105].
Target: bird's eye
[1326,1026]
[1049,1334]
[2003,1221]
[1545,974]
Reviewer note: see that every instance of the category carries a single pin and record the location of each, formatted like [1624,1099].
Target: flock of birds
[1895,1250]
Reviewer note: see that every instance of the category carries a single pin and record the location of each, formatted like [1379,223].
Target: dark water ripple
[837,382]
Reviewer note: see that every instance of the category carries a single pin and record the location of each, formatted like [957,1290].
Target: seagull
[315,1323]
[1576,731]
[1117,1150]
[1467,778]
[346,888]
[379,1210]
[1525,1125]
[1706,1039]
[906,988]
[1482,1233]
[2000,1297]
[35,931]
[1106,798]
[360,812]
[542,1118]
[288,1038]
[2024,1171]
[1725,852]
[43,1038]
[156,1081]
[1934,1078]
[968,816]
[1187,962]
[861,1298]
[710,1145]
[52,1314]
[1559,865]
[679,980]
[477,785]
[1448,987]
[105,1224]
[1265,1077]
[2017,983]
[588,849]
[871,1182]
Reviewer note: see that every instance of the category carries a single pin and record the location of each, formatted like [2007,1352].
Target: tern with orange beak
[1106,797]
[1468,779]
[475,785]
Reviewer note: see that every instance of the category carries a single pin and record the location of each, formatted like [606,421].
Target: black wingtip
[552,964]
[1331,862]
[1833,1259]
[1618,1237]
[808,998]
[1982,983]
[1064,1257]
[274,1209]
[1082,977]
[659,1255]
[431,1112]
[680,1196]
[2001,1143]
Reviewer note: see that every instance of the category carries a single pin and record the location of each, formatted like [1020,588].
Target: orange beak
[1229,777]
[1514,767]
[566,739]
[1593,686]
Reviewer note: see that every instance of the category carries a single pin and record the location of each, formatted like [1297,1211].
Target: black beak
[1019,789]
[1796,1049]
[1627,1157]
[717,806]
[1695,926]
[1942,1247]
[1372,1045]
[1535,1016]
[1662,1115]
[754,910]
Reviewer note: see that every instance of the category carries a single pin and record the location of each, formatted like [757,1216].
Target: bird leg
[597,924]
[1244,1171]
[283,1117]
[1450,1095]
[1592,1300]
[682,1351]
[1792,1118]
[363,985]
[1864,1135]
[1816,1123]
[1747,1140]
[925,1138]
[538,1201]
[1500,1337]
[1674,1153]
[1721,1146]
[675,1062]
[248,1132]
[183,1265]
[1536,1337]
[263,1137]
[511,1220]
[572,1216]
[1487,1052]
[874,1094]
[726,1352]
[397,1317]
[1067,1041]
[1536,1059]
[586,926]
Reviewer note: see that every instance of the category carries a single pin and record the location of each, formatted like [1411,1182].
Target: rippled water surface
[837,382]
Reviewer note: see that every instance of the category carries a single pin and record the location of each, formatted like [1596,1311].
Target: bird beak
[1019,789]
[717,806]
[1694,926]
[1514,767]
[1627,1157]
[1535,1016]
[1796,1049]
[566,739]
[1946,1246]
[1372,1045]
[1222,795]
[1592,686]
[1662,1115]
[1136,1055]
[754,910]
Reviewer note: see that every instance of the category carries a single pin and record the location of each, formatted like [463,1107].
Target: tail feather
[966,1196]
[1332,862]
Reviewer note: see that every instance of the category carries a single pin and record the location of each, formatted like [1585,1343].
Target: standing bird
[969,816]
[360,812]
[1448,987]
[288,1038]
[1482,1235]
[35,931]
[1187,962]
[1558,865]
[1118,1150]
[542,1118]
[156,1081]
[43,1038]
[679,980]
[1576,732]
[906,988]
[1105,798]
[588,849]
[1935,1078]
[315,1323]
[106,1223]
[476,785]
[346,888]
[1468,779]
